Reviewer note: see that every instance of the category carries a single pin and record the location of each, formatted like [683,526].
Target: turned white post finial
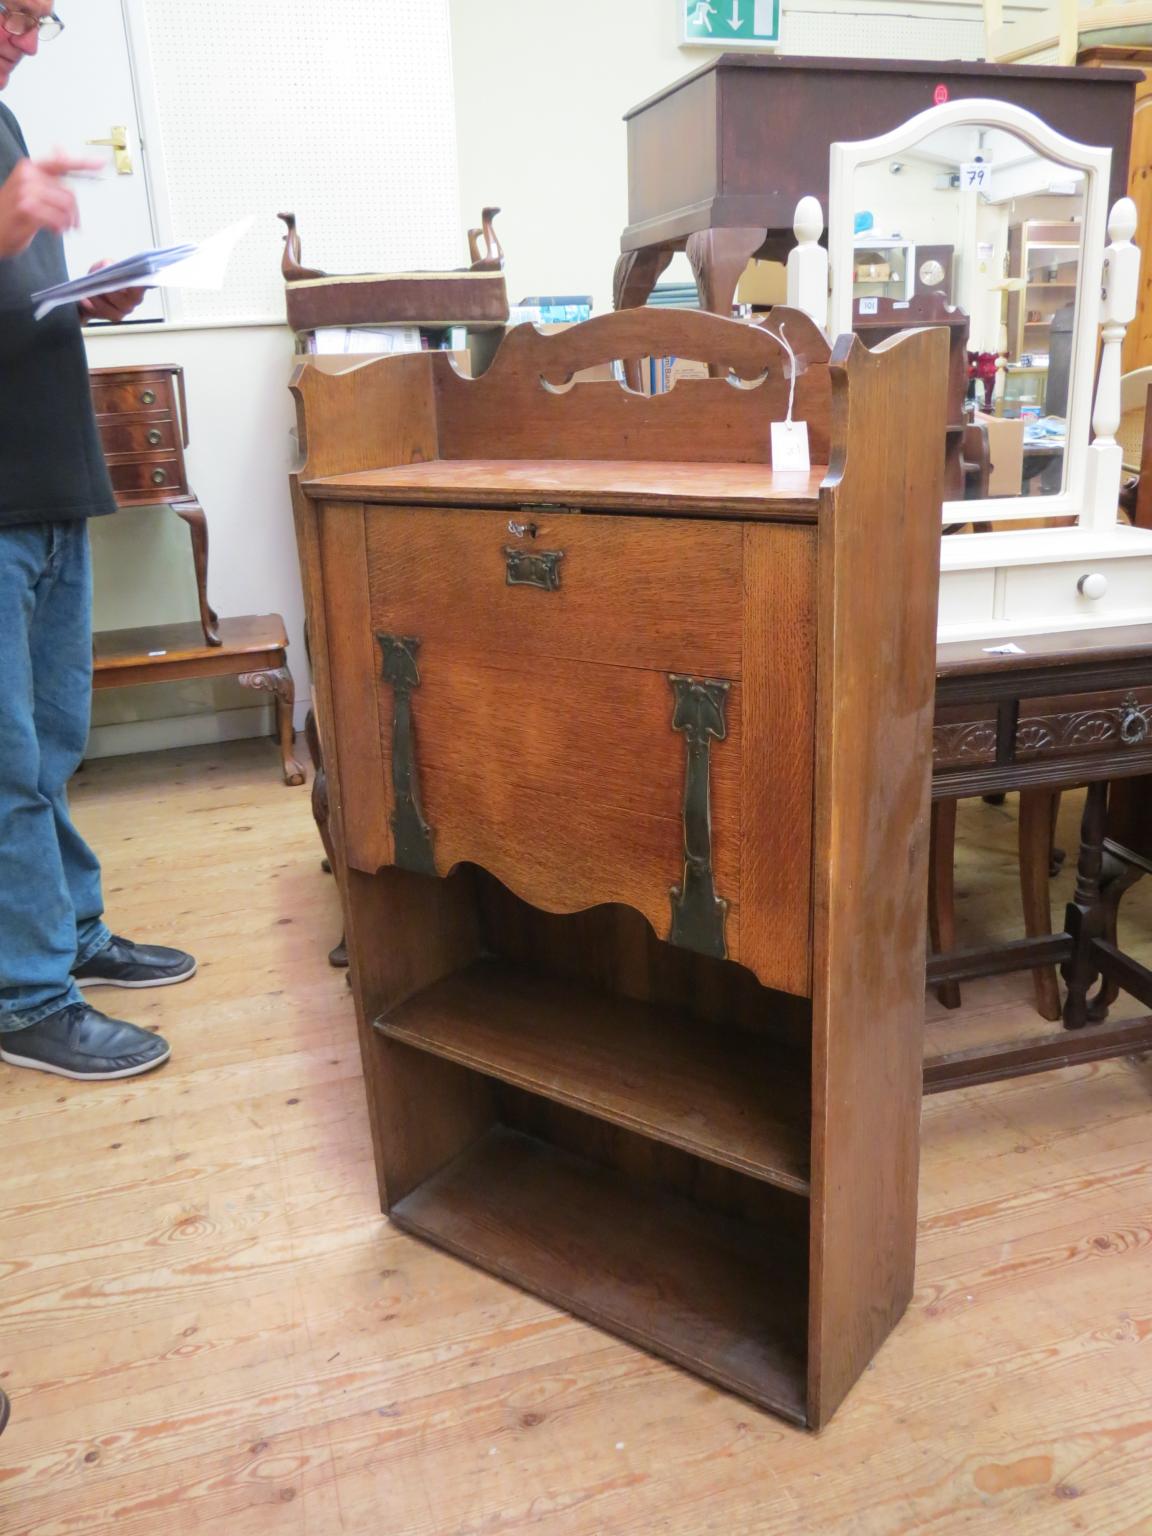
[1119,292]
[808,262]
[1120,287]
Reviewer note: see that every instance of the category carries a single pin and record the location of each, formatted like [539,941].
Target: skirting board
[188,730]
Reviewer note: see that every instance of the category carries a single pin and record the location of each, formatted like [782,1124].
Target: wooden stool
[253,649]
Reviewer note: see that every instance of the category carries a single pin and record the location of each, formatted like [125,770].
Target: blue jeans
[50,898]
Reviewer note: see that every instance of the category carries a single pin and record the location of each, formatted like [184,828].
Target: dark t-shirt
[51,465]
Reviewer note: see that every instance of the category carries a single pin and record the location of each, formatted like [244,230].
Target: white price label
[790,445]
[976,176]
[869,306]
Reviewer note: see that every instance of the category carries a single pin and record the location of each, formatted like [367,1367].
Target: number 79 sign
[976,176]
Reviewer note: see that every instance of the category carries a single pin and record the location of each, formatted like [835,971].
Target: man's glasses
[18,23]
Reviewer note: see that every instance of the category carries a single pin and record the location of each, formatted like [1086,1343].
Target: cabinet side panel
[779,700]
[354,664]
[878,574]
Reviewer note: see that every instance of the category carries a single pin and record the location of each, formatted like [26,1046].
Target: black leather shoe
[80,1043]
[124,964]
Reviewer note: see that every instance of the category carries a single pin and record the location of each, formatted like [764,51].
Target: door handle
[117,142]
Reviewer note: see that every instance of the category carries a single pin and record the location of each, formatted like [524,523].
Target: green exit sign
[731,23]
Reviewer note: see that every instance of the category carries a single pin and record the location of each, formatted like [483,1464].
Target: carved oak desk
[621,751]
[1075,709]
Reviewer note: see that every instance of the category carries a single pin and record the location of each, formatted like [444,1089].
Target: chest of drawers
[628,762]
[142,415]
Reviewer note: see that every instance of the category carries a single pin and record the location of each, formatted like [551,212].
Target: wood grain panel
[353,667]
[779,701]
[533,778]
[517,403]
[634,592]
[879,566]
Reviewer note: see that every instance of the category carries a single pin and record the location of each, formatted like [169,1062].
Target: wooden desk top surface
[1068,648]
[724,490]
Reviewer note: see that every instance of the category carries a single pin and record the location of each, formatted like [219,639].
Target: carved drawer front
[128,435]
[1114,722]
[639,730]
[963,736]
[138,394]
[139,478]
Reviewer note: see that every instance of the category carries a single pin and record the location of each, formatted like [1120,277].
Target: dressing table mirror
[977,216]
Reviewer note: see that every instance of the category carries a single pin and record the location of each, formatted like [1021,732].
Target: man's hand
[34,198]
[111,306]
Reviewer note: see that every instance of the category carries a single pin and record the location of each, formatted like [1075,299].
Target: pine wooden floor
[206,1325]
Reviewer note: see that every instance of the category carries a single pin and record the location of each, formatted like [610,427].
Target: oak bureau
[628,741]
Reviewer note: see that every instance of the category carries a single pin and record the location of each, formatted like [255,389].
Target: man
[53,941]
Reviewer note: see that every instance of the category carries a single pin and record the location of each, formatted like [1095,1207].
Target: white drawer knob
[1093,585]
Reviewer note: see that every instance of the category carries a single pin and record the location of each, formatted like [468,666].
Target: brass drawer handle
[155,437]
[147,397]
[533,568]
[159,476]
[1133,726]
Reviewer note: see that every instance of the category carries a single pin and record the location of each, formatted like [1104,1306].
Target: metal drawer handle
[148,397]
[1133,726]
[155,437]
[159,476]
[533,568]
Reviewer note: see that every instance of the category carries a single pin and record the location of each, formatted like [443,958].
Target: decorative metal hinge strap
[698,914]
[411,833]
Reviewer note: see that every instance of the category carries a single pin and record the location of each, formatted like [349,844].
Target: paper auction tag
[790,445]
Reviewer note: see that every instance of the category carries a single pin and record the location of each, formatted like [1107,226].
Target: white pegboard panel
[342,113]
[880,31]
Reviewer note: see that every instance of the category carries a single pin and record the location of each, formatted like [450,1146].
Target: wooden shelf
[724,1298]
[722,1095]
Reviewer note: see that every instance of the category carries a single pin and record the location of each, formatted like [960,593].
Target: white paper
[183,266]
[790,445]
[207,267]
[1004,650]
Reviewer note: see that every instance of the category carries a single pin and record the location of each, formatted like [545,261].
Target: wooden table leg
[278,682]
[718,258]
[337,956]
[1085,914]
[1035,841]
[942,891]
[193,514]
[1117,877]
[636,274]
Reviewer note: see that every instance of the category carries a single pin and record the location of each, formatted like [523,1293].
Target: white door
[78,88]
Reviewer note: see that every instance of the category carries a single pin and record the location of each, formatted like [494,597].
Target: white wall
[345,116]
[541,91]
